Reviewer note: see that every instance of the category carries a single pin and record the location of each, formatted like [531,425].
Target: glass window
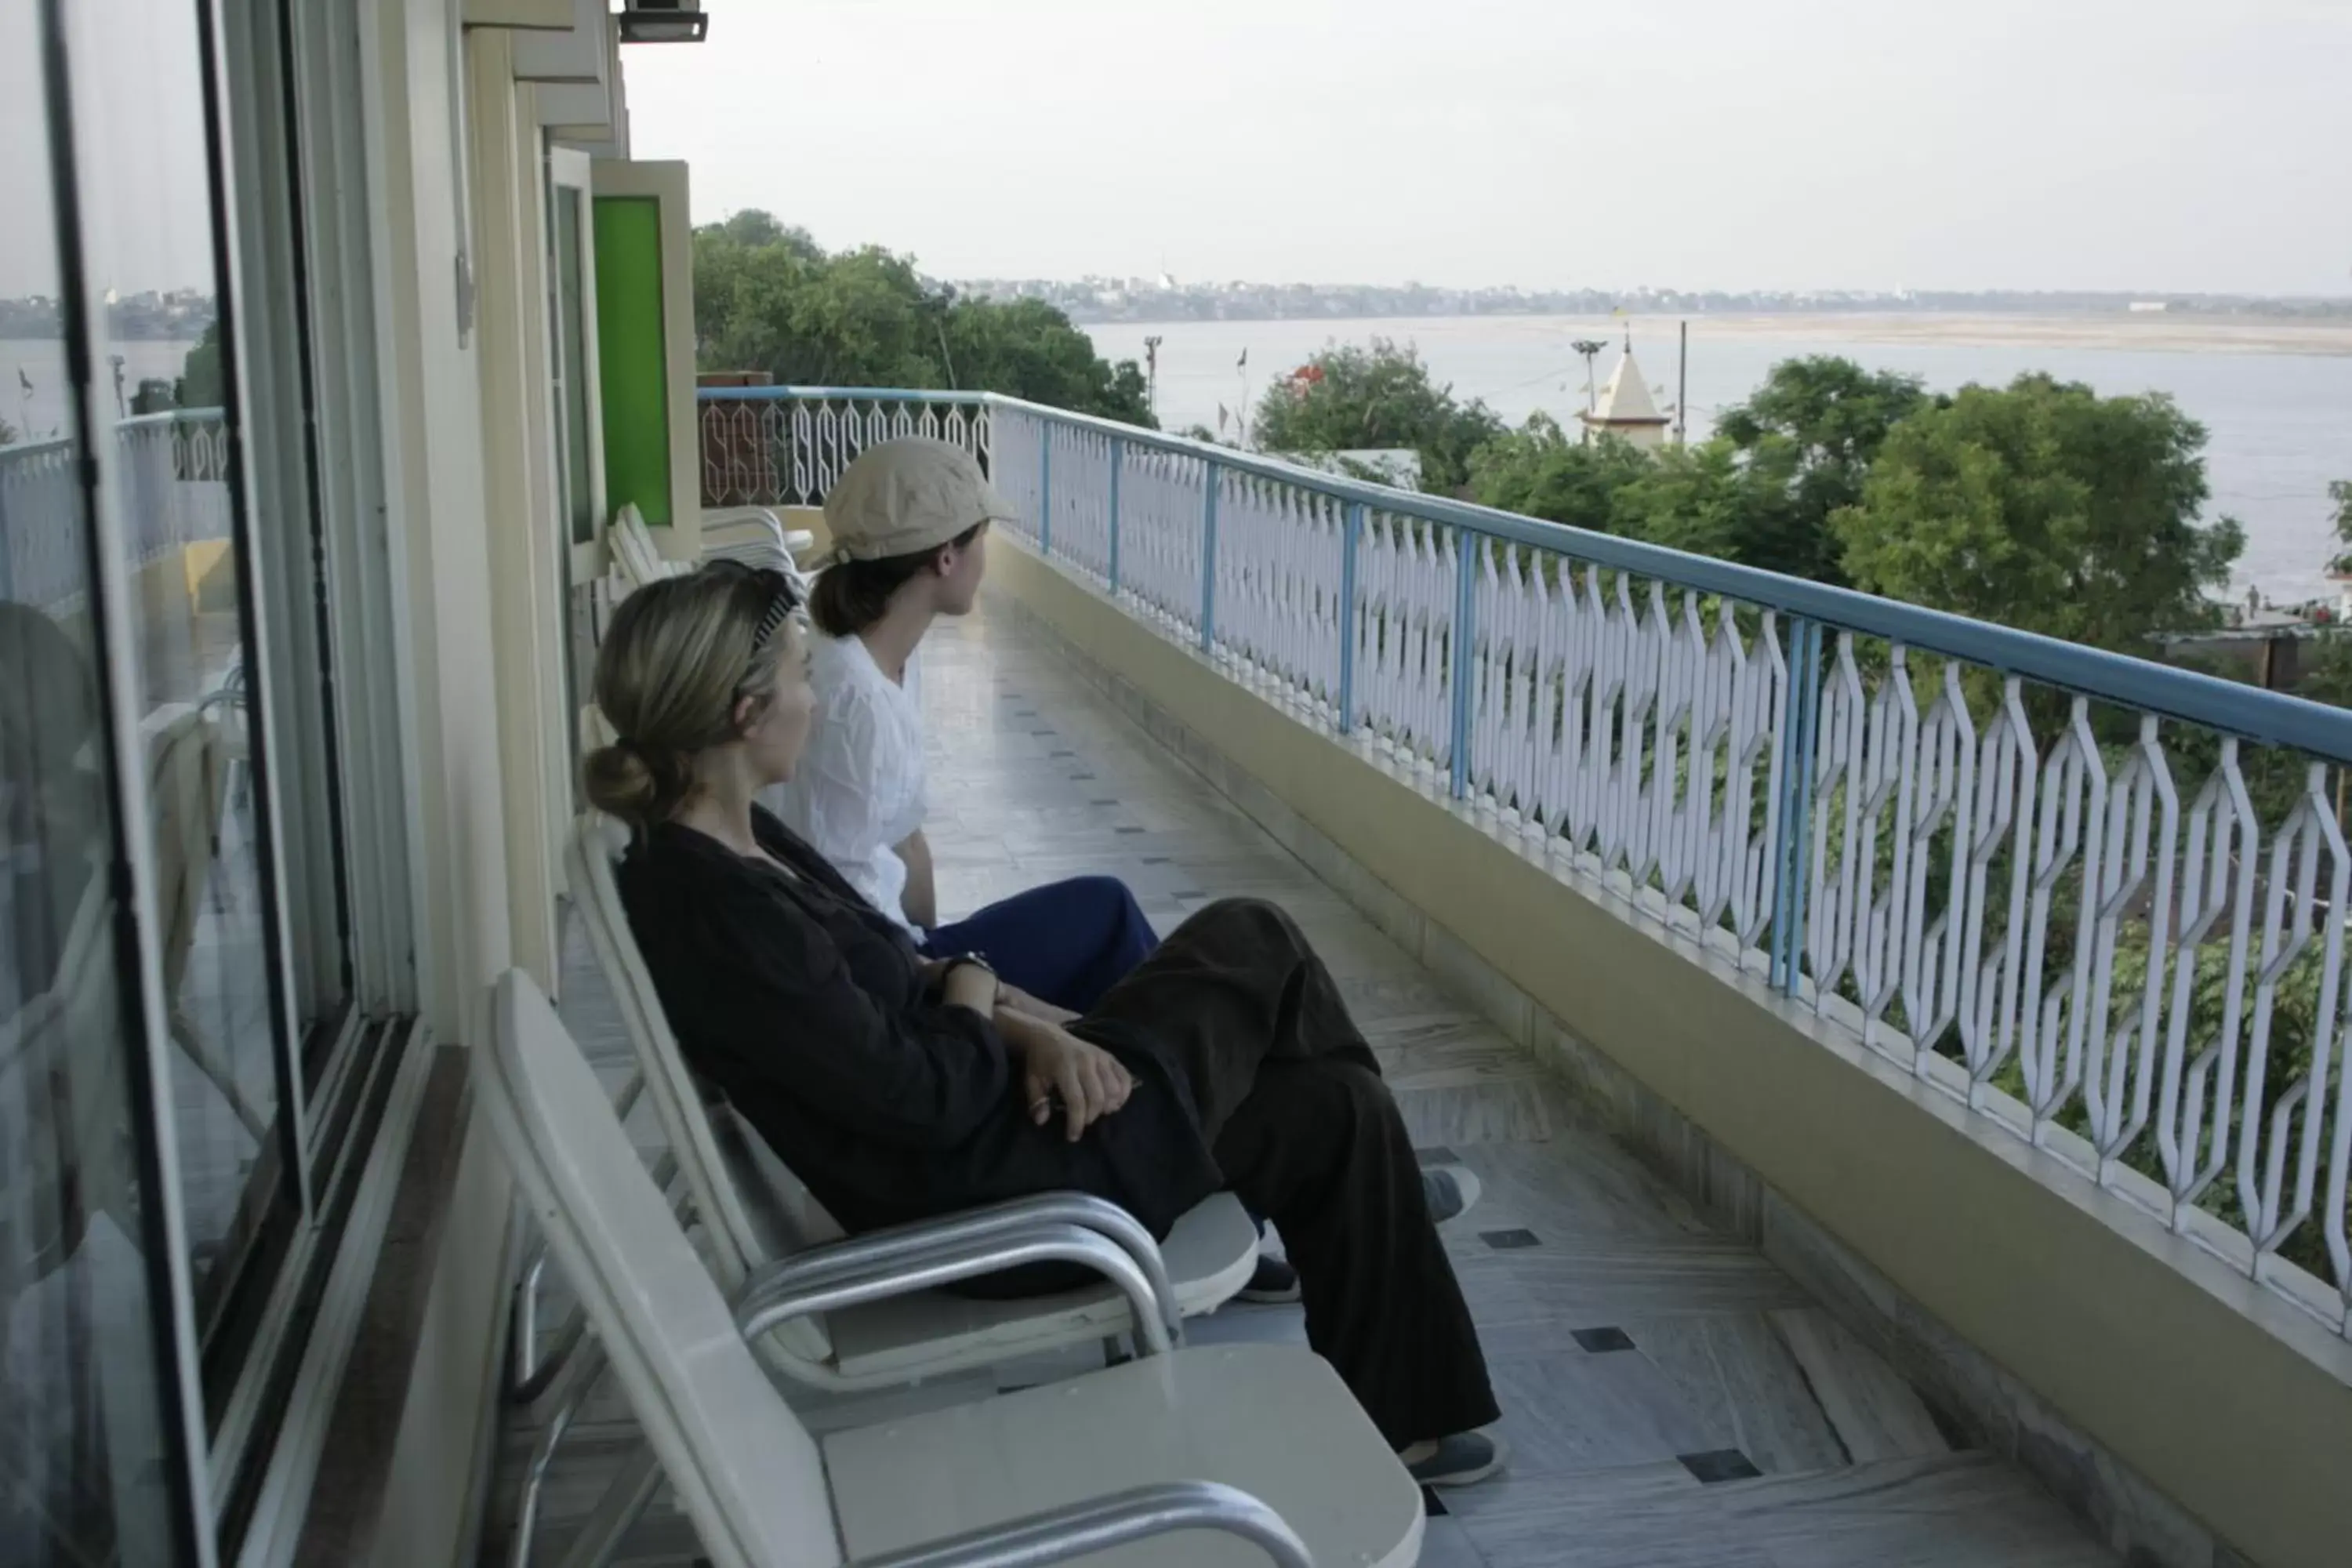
[84,1463]
[568,305]
[169,702]
[163,417]
[349,682]
[572,384]
[283,489]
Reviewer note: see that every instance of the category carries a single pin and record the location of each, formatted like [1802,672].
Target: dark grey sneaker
[1462,1460]
[1452,1191]
[1275,1283]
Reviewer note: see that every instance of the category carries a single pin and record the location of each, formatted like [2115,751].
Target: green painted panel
[635,364]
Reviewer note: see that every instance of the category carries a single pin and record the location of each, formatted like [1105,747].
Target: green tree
[861,317]
[756,229]
[2044,506]
[200,385]
[1540,471]
[769,298]
[1705,500]
[1761,492]
[1030,345]
[1377,395]
[1700,499]
[1805,441]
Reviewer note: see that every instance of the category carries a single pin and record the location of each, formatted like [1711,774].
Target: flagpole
[1682,390]
[1241,418]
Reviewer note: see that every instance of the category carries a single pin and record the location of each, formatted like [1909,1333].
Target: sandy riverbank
[2153,332]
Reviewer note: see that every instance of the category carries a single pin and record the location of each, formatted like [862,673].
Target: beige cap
[904,497]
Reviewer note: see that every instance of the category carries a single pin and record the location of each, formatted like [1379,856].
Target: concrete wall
[518,511]
[434,408]
[2223,1398]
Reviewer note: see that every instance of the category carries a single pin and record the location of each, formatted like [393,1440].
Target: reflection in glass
[149,239]
[572,390]
[567,304]
[83,1460]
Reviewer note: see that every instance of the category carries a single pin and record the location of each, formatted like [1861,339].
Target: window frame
[136,957]
[292,161]
[293,177]
[293,202]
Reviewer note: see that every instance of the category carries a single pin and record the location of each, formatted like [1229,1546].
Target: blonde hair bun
[679,653]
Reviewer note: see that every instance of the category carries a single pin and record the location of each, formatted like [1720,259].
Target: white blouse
[859,791]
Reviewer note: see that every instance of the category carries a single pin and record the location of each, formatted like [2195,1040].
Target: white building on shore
[1626,409]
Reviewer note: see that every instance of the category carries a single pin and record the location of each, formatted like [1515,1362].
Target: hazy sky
[2145,144]
[139,101]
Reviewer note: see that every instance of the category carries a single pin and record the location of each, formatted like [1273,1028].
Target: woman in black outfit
[901,1088]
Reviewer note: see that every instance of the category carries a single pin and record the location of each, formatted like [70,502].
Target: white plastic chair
[753,535]
[1225,1455]
[757,1212]
[188,761]
[635,557]
[757,537]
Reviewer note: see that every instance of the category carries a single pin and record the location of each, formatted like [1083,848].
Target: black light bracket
[677,22]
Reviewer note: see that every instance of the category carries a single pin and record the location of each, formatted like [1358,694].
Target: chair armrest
[897,1245]
[923,1237]
[794,1289]
[1101,1523]
[736,525]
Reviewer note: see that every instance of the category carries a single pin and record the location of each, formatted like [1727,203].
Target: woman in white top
[909,522]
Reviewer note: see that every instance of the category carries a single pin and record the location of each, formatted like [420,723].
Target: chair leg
[557,1372]
[532,1376]
[564,1380]
[625,1500]
[592,1368]
[522,1344]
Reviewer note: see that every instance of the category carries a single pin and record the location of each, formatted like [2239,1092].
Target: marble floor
[1671,1398]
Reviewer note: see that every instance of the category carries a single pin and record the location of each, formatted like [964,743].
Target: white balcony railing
[174,469]
[2100,901]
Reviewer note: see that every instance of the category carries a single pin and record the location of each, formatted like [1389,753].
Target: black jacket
[808,1010]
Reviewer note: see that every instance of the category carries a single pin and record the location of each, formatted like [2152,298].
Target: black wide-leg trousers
[1295,1109]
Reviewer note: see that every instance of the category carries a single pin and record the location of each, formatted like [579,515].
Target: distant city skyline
[1586,298]
[2130,145]
[182,315]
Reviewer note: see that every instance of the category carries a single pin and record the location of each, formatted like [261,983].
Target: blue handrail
[2251,713]
[20,451]
[862,393]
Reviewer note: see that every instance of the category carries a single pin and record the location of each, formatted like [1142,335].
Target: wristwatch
[973,961]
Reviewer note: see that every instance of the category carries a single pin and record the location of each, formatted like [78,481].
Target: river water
[33,378]
[2275,397]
